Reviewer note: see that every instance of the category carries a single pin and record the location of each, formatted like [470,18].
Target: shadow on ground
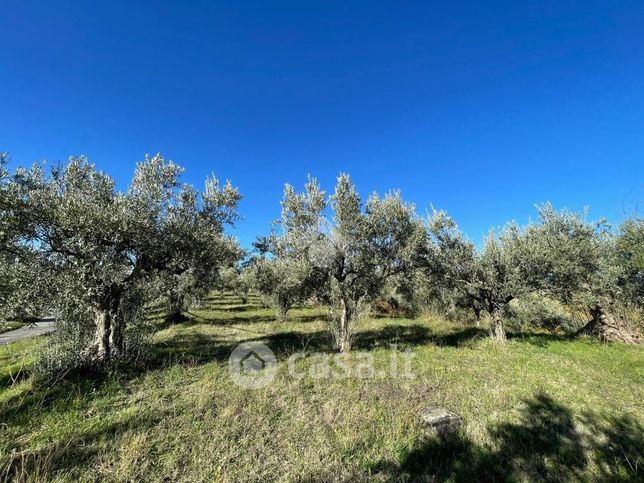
[545,445]
[198,348]
[540,339]
[195,348]
[244,318]
[80,450]
[414,335]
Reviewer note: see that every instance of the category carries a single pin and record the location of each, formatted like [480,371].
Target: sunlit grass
[184,419]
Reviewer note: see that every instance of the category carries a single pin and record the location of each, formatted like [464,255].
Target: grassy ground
[542,407]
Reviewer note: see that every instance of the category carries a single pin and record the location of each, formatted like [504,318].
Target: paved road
[43,326]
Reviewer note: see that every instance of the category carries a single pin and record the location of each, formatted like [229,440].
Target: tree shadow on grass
[10,378]
[190,348]
[413,335]
[196,348]
[234,320]
[7,380]
[155,312]
[454,458]
[306,318]
[65,456]
[618,443]
[192,319]
[540,339]
[544,445]
[217,302]
[239,308]
[246,319]
[286,343]
[45,393]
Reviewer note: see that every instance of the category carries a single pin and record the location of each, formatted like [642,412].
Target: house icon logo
[252,365]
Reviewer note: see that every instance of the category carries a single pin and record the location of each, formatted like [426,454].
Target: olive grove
[76,246]
[73,245]
[236,278]
[562,256]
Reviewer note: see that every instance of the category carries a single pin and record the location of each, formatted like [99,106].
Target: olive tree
[487,279]
[9,231]
[281,270]
[96,246]
[357,250]
[24,283]
[281,283]
[238,279]
[630,256]
[577,262]
[497,279]
[185,287]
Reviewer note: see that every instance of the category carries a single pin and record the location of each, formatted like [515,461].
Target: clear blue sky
[481,108]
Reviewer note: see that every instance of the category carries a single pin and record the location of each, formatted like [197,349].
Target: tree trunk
[174,310]
[608,327]
[497,331]
[108,328]
[117,346]
[100,349]
[344,329]
[283,306]
[477,313]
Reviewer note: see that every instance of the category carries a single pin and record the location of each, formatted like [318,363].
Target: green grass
[541,407]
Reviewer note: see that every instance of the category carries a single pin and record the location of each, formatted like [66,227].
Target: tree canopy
[355,251]
[80,246]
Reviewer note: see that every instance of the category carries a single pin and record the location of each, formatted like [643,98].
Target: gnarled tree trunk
[497,331]
[608,326]
[108,328]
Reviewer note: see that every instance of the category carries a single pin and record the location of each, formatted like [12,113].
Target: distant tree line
[74,245]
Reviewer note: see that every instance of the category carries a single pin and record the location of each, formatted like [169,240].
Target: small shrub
[539,312]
